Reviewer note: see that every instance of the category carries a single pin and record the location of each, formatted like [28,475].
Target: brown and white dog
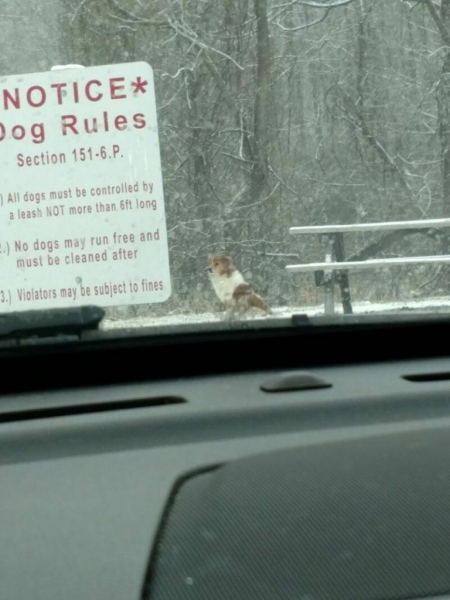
[232,289]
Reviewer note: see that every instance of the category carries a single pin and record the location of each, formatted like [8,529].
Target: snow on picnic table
[433,306]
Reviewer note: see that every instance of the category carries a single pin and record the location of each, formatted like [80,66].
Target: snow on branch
[315,4]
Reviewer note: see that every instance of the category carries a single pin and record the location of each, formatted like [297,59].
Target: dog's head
[220,265]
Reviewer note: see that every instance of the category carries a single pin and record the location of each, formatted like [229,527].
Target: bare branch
[180,70]
[129,17]
[312,4]
[439,22]
[192,38]
[353,116]
[390,238]
[237,158]
[77,11]
[327,6]
[322,18]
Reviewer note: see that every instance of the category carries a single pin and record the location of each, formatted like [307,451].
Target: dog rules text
[81,192]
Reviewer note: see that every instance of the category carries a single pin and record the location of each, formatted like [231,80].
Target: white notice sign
[81,194]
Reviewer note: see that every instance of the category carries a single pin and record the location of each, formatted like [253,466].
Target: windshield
[192,161]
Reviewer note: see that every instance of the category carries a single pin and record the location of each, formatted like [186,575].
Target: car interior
[306,459]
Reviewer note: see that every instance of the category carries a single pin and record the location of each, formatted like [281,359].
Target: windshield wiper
[62,324]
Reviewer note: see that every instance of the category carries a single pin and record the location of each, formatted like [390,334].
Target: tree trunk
[442,22]
[262,103]
[444,121]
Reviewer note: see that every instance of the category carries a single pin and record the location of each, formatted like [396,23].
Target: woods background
[274,114]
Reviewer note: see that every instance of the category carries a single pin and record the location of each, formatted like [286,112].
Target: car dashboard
[299,464]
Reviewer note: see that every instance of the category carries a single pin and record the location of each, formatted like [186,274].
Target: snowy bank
[431,306]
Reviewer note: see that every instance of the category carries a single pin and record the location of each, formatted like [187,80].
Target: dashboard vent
[85,409]
[427,377]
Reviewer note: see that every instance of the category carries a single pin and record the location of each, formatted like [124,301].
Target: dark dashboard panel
[363,518]
[83,493]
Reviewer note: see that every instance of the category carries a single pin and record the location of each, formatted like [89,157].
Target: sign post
[81,196]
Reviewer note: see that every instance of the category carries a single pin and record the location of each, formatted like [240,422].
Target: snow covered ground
[431,306]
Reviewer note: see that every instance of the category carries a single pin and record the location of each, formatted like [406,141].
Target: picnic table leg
[342,276]
[344,285]
[328,279]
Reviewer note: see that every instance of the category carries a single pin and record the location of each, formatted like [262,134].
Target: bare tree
[274,113]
